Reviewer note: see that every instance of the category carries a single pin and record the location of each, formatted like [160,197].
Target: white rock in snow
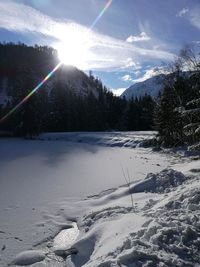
[29,257]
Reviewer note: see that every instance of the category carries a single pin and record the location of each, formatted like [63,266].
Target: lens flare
[75,49]
[31,93]
[101,13]
[52,72]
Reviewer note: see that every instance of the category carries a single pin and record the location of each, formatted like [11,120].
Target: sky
[121,41]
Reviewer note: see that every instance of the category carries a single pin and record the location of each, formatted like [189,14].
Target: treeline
[59,105]
[177,114]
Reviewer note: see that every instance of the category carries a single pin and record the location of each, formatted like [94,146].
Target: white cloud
[196,42]
[151,73]
[194,17]
[138,38]
[130,63]
[103,52]
[118,91]
[182,12]
[126,78]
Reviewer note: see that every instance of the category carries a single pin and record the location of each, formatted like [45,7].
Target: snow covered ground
[53,214]
[111,139]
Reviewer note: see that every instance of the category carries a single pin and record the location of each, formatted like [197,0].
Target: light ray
[101,13]
[52,72]
[31,93]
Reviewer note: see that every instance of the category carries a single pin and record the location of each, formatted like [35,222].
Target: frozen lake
[37,174]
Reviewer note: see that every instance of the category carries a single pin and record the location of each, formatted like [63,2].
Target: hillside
[70,100]
[36,62]
[151,86]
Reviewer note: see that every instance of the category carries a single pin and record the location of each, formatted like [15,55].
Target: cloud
[118,91]
[150,73]
[126,78]
[130,63]
[182,12]
[196,42]
[103,52]
[139,38]
[194,17]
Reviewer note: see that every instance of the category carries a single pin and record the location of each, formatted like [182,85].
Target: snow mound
[162,182]
[66,238]
[171,238]
[195,147]
[169,235]
[163,232]
[29,257]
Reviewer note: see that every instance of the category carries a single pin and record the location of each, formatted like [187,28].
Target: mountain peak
[151,87]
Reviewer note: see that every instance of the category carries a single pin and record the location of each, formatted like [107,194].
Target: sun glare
[72,54]
[74,49]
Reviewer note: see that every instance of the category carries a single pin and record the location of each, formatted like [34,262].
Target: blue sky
[129,43]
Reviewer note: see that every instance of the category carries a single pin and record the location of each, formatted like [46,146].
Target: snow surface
[111,139]
[51,209]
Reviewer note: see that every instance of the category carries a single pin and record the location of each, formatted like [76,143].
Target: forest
[75,101]
[63,104]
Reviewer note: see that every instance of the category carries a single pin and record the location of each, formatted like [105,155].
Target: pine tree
[147,106]
[168,120]
[178,111]
[191,114]
[59,118]
[25,119]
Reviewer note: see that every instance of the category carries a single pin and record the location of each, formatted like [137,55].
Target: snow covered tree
[168,121]
[191,112]
[178,112]
[192,117]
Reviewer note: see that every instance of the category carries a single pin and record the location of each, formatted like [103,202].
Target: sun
[72,54]
[74,49]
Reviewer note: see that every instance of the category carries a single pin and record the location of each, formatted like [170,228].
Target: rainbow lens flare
[25,99]
[31,93]
[101,13]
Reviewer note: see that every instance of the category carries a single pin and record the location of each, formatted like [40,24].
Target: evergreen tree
[191,112]
[59,110]
[147,106]
[168,120]
[25,119]
[62,104]
[178,111]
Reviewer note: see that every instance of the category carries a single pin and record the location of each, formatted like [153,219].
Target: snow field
[161,228]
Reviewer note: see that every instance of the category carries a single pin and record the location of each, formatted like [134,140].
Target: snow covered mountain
[75,80]
[68,77]
[151,86]
[21,63]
